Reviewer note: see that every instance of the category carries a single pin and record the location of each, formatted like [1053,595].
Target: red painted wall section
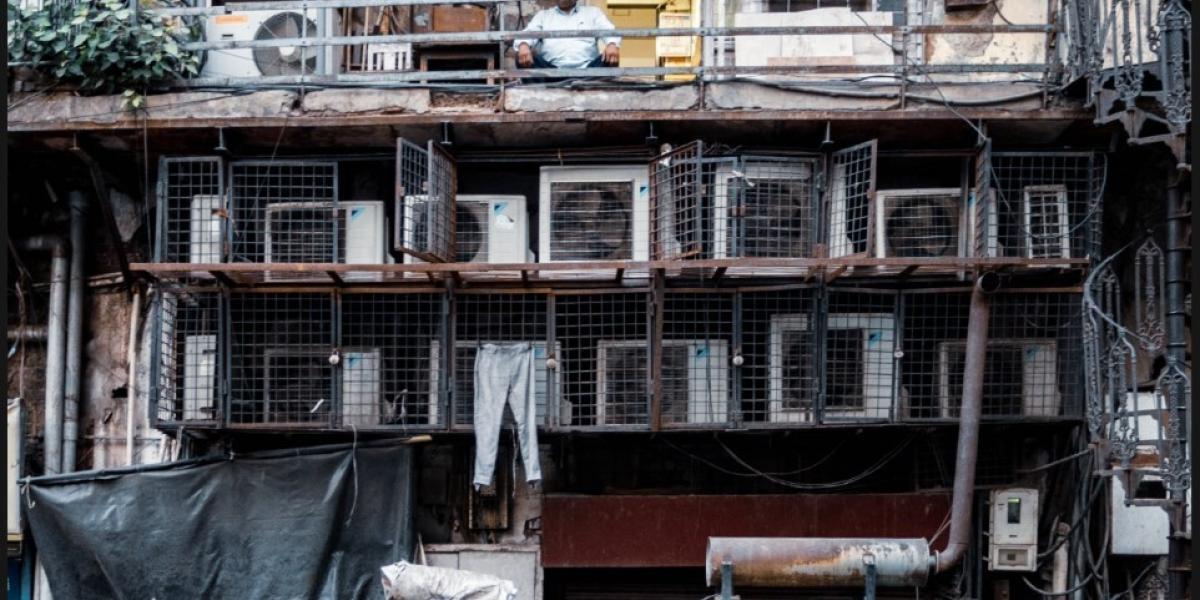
[673,531]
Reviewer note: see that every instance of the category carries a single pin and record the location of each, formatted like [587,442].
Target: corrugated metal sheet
[673,531]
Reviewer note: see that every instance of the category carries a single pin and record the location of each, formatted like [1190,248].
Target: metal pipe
[968,426]
[131,396]
[818,562]
[74,371]
[55,347]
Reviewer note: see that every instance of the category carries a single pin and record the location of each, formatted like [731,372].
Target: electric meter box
[1013,537]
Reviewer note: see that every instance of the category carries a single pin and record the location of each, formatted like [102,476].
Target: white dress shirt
[568,53]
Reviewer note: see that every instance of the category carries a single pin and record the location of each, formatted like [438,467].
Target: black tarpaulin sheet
[315,523]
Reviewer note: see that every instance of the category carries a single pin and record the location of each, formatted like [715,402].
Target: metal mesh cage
[778,378]
[190,374]
[697,346]
[710,203]
[1044,205]
[604,365]
[859,362]
[286,212]
[850,200]
[191,210]
[426,187]
[390,360]
[494,318]
[280,366]
[1033,364]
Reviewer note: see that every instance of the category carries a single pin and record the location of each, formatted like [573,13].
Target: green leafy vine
[102,46]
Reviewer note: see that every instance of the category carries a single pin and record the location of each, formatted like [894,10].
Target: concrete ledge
[542,99]
[358,101]
[76,110]
[815,96]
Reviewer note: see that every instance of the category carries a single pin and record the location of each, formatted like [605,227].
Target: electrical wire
[831,484]
[1060,461]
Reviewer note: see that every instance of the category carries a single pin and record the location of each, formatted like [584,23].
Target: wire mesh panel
[605,360]
[1033,366]
[1044,204]
[192,210]
[281,359]
[493,318]
[426,186]
[859,363]
[772,211]
[285,212]
[188,359]
[678,203]
[778,376]
[390,361]
[920,223]
[850,200]
[697,346]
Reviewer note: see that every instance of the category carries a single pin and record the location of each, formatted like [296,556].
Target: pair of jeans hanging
[504,375]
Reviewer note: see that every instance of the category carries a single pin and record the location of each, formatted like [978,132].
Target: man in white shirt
[568,53]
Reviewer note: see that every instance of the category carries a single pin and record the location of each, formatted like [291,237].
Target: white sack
[406,581]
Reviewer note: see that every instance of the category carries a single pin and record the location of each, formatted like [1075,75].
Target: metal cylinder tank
[818,562]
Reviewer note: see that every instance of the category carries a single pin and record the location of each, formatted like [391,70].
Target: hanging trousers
[504,375]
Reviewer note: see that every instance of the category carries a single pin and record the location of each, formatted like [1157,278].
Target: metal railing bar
[502,36]
[185,11]
[596,73]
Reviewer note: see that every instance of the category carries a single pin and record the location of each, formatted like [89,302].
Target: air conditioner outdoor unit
[204,229]
[778,211]
[262,25]
[1046,222]
[920,223]
[362,382]
[302,232]
[465,358]
[199,377]
[487,229]
[695,382]
[594,213]
[859,369]
[1024,370]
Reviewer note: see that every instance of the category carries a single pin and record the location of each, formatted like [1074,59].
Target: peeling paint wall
[989,49]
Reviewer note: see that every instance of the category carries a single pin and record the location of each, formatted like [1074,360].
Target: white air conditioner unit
[695,382]
[302,232]
[920,223]
[779,211]
[465,358]
[594,213]
[263,25]
[859,369]
[15,448]
[204,229]
[1046,222]
[487,229]
[199,377]
[362,382]
[1014,369]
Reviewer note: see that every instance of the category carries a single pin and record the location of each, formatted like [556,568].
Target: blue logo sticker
[1032,352]
[356,212]
[539,352]
[702,351]
[352,361]
[873,338]
[499,207]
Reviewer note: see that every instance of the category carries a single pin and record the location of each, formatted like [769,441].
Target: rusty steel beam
[81,122]
[818,562]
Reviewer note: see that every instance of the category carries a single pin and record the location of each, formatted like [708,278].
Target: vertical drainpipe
[968,427]
[55,342]
[1176,351]
[74,370]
